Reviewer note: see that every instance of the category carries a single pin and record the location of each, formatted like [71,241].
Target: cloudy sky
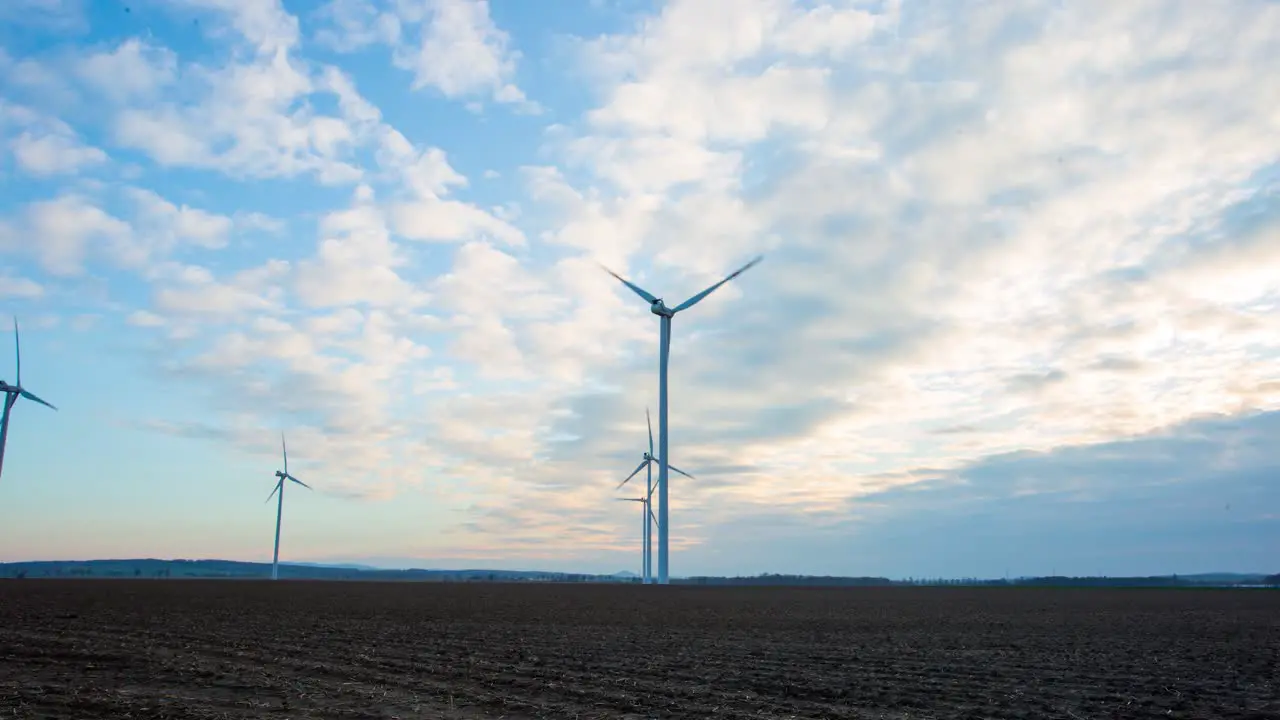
[1017,314]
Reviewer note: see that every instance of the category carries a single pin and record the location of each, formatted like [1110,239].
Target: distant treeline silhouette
[776,579]
[232,570]
[1207,580]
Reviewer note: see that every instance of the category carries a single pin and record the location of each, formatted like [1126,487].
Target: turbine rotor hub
[660,308]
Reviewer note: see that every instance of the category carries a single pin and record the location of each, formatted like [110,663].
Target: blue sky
[1018,311]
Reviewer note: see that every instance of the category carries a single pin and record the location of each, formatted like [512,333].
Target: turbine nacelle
[660,309]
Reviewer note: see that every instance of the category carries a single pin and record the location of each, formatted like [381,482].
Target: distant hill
[233,570]
[344,566]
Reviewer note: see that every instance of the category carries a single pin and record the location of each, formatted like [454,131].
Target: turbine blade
[629,499]
[650,423]
[274,491]
[285,449]
[653,517]
[17,350]
[634,288]
[698,298]
[633,474]
[673,467]
[299,482]
[33,398]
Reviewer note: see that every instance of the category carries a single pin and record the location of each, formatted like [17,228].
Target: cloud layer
[990,230]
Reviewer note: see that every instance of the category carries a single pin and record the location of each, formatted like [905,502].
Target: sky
[1017,313]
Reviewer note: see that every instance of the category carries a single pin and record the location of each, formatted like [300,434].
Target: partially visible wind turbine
[647,534]
[13,392]
[659,308]
[644,533]
[282,475]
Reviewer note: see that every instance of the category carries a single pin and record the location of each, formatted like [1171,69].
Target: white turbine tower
[647,533]
[13,392]
[282,475]
[659,308]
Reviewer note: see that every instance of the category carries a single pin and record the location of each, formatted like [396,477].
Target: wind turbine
[647,535]
[659,308]
[13,392]
[282,475]
[644,533]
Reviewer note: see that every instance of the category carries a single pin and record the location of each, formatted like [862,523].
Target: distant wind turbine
[647,534]
[659,308]
[13,392]
[644,533]
[282,475]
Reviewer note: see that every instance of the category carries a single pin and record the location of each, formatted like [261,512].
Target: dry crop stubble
[211,649]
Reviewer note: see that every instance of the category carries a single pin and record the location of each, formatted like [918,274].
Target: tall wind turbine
[659,308]
[282,475]
[13,392]
[647,535]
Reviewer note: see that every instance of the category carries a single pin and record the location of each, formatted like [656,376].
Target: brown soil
[241,649]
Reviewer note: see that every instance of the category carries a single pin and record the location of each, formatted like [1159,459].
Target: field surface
[249,649]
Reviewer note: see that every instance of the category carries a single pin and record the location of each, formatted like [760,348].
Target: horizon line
[357,566]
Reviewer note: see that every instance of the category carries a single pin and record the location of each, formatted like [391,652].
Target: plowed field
[240,649]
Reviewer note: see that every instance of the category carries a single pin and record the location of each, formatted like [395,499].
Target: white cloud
[53,154]
[431,219]
[45,145]
[187,297]
[357,24]
[65,232]
[251,117]
[145,318]
[62,232]
[169,224]
[258,221]
[460,51]
[654,164]
[17,287]
[427,174]
[426,178]
[718,107]
[133,70]
[356,261]
[450,45]
[265,24]
[246,123]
